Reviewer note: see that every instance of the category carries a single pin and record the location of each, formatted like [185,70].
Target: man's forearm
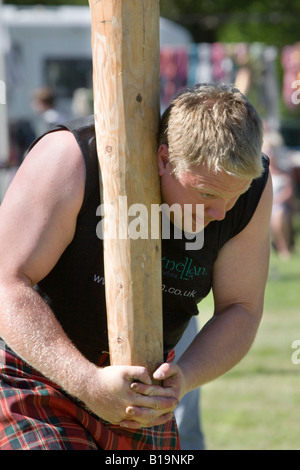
[219,346]
[29,327]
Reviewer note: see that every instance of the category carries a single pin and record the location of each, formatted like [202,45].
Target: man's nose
[217,210]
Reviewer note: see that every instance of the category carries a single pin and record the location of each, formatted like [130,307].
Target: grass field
[256,406]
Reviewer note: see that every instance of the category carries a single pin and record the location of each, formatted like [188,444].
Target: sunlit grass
[257,404]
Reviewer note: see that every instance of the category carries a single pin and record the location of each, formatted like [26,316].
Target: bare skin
[36,227]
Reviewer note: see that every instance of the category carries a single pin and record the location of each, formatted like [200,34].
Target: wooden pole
[125,46]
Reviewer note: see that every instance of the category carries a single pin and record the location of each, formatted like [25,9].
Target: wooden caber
[125,46]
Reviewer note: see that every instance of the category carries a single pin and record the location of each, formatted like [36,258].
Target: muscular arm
[37,222]
[239,279]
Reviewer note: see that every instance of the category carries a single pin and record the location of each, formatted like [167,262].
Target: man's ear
[163,159]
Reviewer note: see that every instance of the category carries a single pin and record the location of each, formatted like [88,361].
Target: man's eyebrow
[204,189]
[214,192]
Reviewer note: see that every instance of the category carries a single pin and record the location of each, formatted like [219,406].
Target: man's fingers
[145,419]
[140,374]
[150,390]
[154,402]
[165,371]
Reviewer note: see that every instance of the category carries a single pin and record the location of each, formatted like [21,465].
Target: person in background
[284,202]
[44,104]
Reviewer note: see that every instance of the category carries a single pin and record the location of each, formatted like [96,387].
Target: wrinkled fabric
[36,415]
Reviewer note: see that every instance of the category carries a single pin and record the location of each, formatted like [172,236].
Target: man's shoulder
[82,123]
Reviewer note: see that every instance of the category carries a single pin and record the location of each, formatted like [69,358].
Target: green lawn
[256,406]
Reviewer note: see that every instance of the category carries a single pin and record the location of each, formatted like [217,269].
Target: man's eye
[207,195]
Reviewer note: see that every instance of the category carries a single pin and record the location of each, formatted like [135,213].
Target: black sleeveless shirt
[75,288]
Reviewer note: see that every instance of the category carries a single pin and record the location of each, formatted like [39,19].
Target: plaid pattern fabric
[36,415]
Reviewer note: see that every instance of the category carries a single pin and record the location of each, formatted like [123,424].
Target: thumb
[164,371]
[172,378]
[140,374]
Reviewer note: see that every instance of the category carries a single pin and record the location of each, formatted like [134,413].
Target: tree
[46,2]
[272,21]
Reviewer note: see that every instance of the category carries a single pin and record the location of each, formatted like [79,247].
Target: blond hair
[213,124]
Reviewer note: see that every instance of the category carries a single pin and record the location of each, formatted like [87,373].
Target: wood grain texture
[125,46]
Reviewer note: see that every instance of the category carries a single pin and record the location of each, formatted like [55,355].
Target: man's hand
[133,401]
[125,395]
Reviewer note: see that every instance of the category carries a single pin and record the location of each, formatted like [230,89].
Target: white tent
[173,34]
[41,34]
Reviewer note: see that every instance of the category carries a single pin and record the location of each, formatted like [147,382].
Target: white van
[44,46]
[51,46]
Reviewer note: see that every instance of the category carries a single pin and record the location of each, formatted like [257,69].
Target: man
[58,389]
[44,105]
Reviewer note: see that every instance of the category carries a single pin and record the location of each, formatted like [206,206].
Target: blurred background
[46,78]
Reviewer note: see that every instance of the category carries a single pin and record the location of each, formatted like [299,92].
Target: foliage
[46,2]
[272,21]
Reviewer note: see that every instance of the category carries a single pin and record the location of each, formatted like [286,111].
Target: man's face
[218,192]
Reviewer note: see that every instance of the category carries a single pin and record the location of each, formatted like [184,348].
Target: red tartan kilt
[36,415]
